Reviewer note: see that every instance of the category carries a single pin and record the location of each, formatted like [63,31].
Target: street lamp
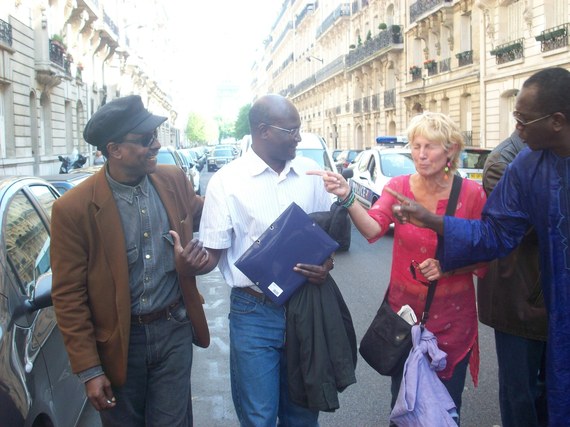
[315,58]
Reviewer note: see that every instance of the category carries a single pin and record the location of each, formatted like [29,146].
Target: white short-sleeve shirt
[243,199]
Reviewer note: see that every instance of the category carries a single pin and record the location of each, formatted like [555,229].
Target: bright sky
[215,43]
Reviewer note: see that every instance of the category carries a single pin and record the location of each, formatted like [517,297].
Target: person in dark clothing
[510,300]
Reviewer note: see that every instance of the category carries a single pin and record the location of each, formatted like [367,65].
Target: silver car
[37,387]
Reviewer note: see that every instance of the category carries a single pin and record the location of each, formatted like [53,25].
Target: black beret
[118,118]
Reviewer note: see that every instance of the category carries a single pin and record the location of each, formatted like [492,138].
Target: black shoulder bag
[387,342]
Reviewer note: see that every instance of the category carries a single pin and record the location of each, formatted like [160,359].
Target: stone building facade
[60,60]
[361,69]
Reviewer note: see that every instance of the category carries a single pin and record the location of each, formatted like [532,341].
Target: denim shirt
[152,275]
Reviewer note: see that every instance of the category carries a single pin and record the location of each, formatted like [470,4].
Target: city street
[362,275]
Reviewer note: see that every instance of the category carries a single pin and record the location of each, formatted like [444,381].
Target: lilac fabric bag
[423,400]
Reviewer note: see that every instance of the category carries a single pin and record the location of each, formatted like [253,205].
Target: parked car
[191,167]
[315,147]
[37,387]
[201,156]
[375,168]
[66,181]
[335,154]
[471,162]
[345,159]
[169,156]
[221,155]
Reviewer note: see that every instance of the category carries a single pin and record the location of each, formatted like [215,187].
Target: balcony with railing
[375,102]
[309,8]
[464,58]
[508,52]
[366,104]
[111,24]
[343,10]
[386,40]
[57,52]
[553,38]
[357,106]
[5,33]
[390,98]
[422,6]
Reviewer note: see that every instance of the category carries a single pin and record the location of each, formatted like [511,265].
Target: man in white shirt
[242,200]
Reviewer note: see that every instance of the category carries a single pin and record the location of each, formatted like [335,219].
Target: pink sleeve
[381,211]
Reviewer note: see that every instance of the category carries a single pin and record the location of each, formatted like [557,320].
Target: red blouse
[453,313]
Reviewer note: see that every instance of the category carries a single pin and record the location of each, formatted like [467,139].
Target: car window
[45,196]
[473,159]
[223,153]
[363,163]
[166,158]
[396,164]
[319,156]
[27,242]
[373,169]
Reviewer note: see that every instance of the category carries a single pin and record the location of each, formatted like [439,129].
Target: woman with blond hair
[436,143]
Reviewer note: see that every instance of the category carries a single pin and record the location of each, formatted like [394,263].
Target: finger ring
[109,402]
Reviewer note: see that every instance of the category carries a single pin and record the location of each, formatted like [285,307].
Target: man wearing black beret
[126,302]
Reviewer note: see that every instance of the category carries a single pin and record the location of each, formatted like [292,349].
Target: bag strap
[450,211]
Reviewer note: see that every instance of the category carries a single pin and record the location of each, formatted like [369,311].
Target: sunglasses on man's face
[145,140]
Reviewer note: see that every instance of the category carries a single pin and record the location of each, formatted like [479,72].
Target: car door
[362,181]
[40,376]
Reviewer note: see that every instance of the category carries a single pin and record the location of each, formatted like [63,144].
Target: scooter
[67,163]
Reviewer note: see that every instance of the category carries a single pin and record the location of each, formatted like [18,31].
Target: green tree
[196,129]
[241,126]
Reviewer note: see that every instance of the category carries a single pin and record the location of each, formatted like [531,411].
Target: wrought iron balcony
[376,46]
[376,102]
[56,52]
[390,98]
[366,104]
[422,6]
[357,106]
[464,58]
[416,73]
[310,7]
[343,10]
[5,33]
[553,38]
[508,52]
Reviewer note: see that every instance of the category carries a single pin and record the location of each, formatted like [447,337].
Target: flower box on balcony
[504,49]
[430,64]
[551,34]
[415,70]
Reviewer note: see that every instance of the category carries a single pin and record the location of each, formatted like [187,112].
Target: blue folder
[292,238]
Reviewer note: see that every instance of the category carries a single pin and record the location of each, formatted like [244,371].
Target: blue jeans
[157,390]
[258,365]
[521,392]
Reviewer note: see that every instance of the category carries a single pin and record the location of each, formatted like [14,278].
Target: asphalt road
[362,274]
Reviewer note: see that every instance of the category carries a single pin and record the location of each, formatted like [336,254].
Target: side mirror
[347,173]
[42,293]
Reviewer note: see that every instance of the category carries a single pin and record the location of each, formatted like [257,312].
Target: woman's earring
[446,169]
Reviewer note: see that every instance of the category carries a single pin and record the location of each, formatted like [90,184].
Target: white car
[375,167]
[471,162]
[314,147]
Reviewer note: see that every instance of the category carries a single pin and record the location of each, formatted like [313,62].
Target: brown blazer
[90,291]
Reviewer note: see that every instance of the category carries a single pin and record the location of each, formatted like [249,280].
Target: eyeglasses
[293,132]
[413,266]
[516,116]
[145,140]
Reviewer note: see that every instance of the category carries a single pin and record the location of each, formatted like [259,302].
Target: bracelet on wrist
[349,200]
